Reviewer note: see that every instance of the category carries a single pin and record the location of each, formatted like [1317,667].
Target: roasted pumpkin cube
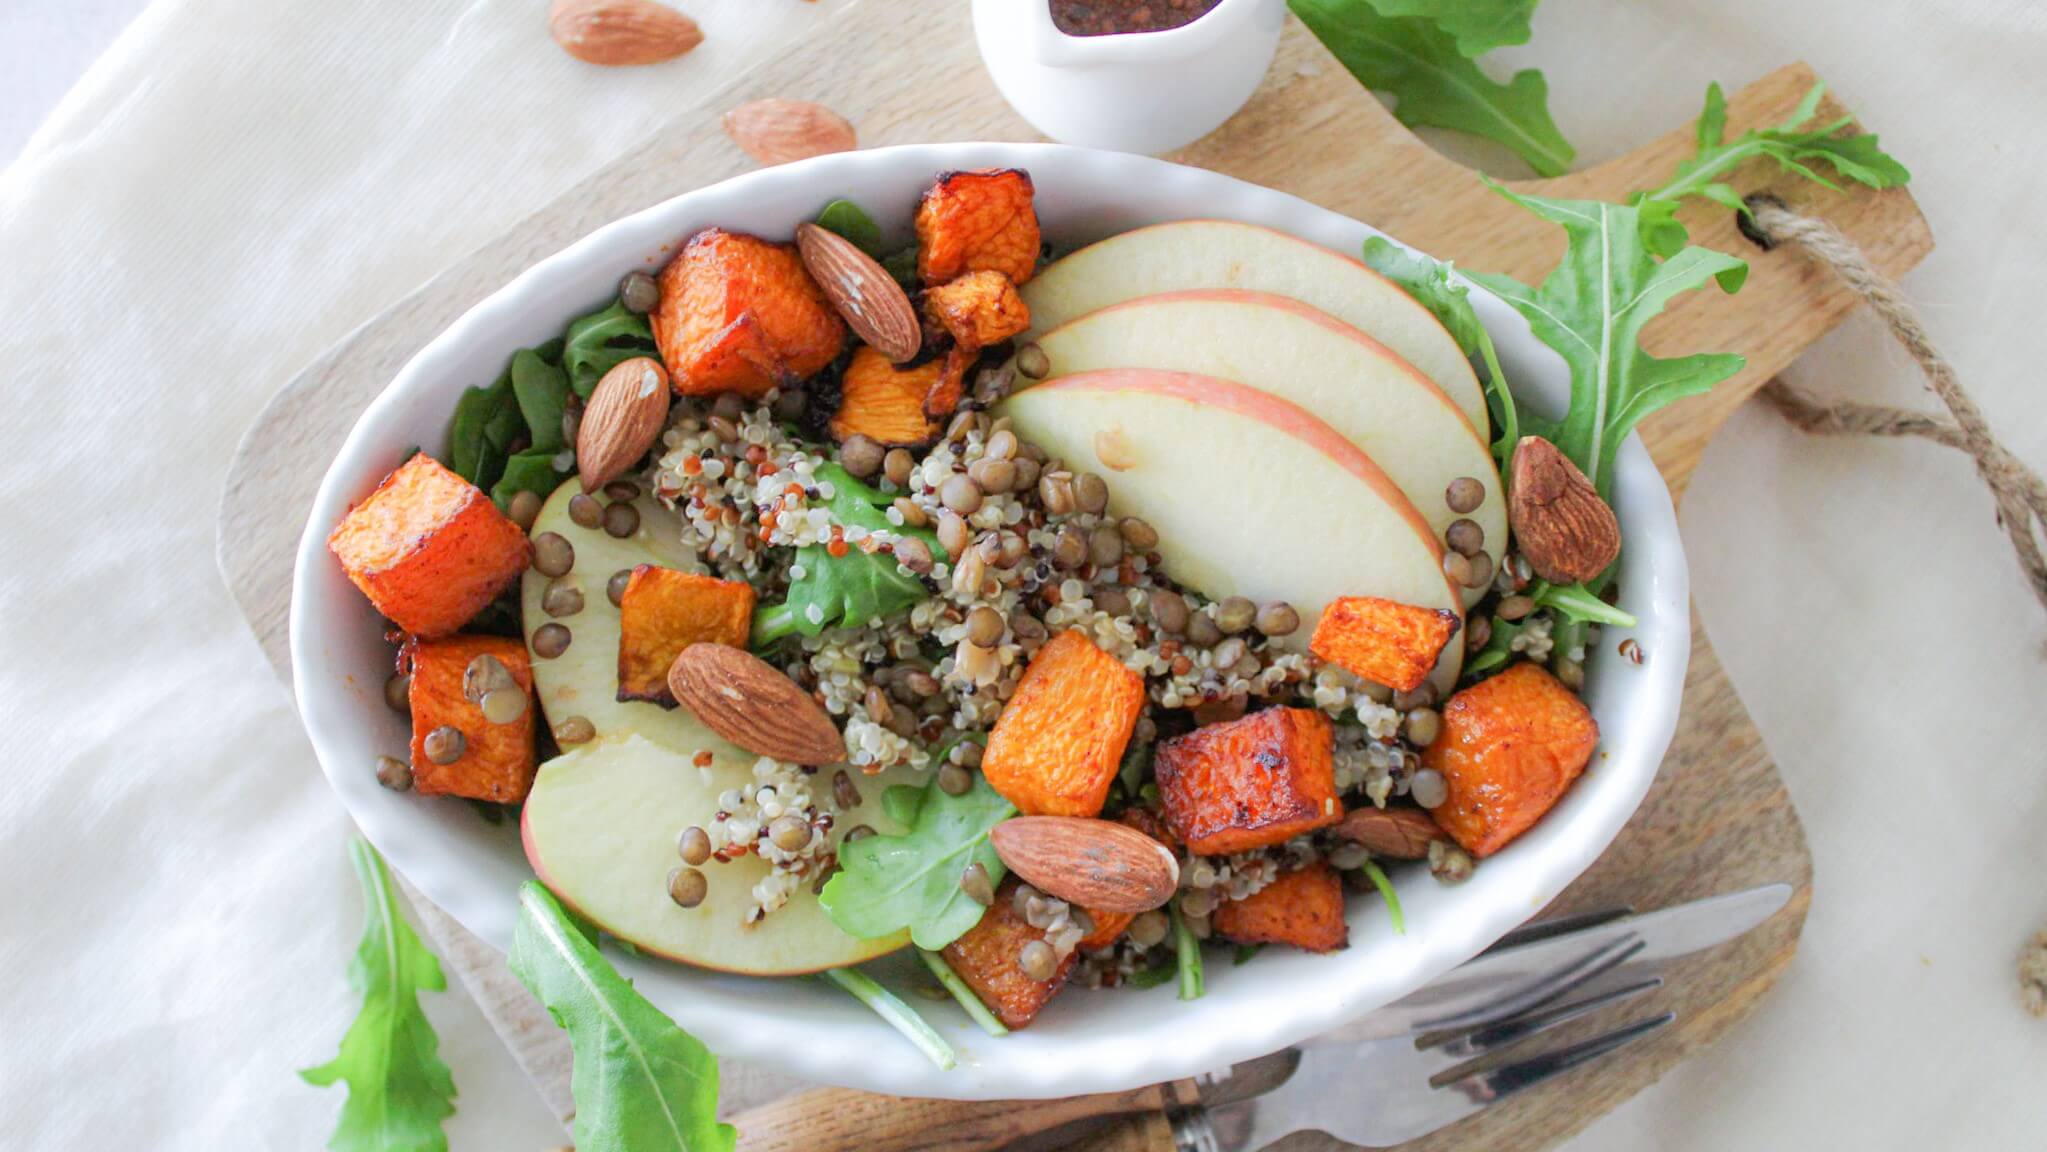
[1250,783]
[1509,747]
[944,397]
[1058,742]
[497,761]
[1383,641]
[1303,908]
[429,548]
[741,314]
[985,956]
[664,611]
[1109,926]
[978,222]
[884,402]
[978,309]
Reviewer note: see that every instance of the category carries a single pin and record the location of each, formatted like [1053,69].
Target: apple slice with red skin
[1251,495]
[1280,346]
[1194,254]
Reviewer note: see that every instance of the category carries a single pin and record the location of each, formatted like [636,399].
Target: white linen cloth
[235,186]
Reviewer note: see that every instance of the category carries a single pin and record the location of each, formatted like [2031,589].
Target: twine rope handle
[2019,492]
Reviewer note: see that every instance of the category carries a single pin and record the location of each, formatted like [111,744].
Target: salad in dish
[1057,617]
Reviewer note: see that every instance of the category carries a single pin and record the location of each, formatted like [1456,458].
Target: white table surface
[231,187]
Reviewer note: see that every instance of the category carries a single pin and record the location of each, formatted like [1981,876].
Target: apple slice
[1283,347]
[599,829]
[1251,495]
[1190,254]
[601,823]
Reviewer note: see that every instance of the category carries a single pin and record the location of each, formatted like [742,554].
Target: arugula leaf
[1591,309]
[1149,977]
[601,341]
[1794,147]
[542,391]
[1578,603]
[1479,26]
[851,590]
[1186,955]
[1378,877]
[901,265]
[969,1001]
[1430,283]
[900,1016]
[888,883]
[851,221]
[529,471]
[641,1084]
[1432,83]
[1245,954]
[399,1090]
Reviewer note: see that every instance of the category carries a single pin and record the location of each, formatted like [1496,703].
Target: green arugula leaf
[399,1090]
[528,471]
[1378,877]
[1186,955]
[969,1001]
[1578,604]
[542,391]
[1791,144]
[1432,83]
[899,1016]
[641,1084]
[1591,309]
[888,883]
[901,265]
[1431,285]
[1479,26]
[851,590]
[1150,977]
[851,221]
[601,341]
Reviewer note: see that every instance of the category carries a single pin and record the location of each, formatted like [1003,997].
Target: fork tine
[1482,1088]
[1543,989]
[1507,1033]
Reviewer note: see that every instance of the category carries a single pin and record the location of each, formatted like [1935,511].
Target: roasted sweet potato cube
[664,611]
[1303,908]
[978,222]
[944,397]
[429,548]
[1109,926]
[1250,783]
[978,309]
[1058,742]
[741,314]
[985,956]
[886,403]
[497,761]
[1509,747]
[1384,641]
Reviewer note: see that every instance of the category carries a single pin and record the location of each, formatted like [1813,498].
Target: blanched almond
[1561,526]
[624,417]
[873,305]
[751,703]
[1095,864]
[621,32]
[778,131]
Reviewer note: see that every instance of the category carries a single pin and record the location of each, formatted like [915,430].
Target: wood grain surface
[1718,817]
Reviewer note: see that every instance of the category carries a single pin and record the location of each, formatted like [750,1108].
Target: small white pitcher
[1147,92]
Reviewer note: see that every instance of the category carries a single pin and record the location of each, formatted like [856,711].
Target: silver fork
[1387,1091]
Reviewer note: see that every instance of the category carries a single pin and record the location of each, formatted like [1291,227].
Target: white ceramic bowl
[1085,1041]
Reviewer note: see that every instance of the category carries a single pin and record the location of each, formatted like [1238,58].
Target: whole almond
[778,131]
[1566,532]
[620,32]
[624,417]
[873,305]
[1395,833]
[1096,864]
[751,703]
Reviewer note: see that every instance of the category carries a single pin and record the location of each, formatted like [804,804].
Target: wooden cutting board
[1718,817]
